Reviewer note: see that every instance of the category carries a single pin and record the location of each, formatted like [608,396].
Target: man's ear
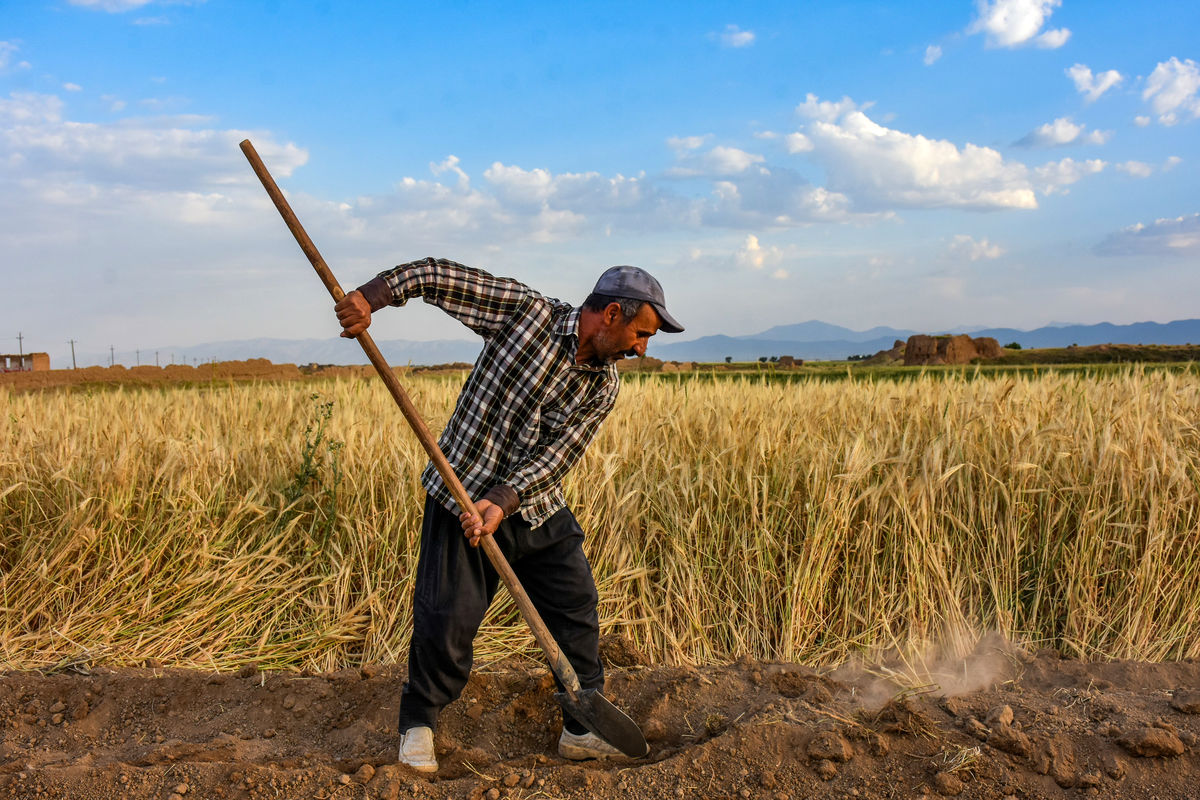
[612,313]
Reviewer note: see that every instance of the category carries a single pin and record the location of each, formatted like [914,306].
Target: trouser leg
[551,565]
[454,585]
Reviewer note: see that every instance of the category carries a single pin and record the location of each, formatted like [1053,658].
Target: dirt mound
[1037,727]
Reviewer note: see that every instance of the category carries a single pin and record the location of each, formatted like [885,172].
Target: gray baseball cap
[637,284]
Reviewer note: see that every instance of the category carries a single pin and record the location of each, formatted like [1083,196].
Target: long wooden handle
[558,662]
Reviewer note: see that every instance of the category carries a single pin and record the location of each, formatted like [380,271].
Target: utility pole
[156,358]
[137,354]
[21,346]
[111,356]
[72,341]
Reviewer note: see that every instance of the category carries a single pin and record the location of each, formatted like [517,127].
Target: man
[544,381]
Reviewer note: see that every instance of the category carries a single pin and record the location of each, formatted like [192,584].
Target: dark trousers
[455,584]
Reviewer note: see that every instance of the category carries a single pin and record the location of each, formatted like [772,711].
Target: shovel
[588,706]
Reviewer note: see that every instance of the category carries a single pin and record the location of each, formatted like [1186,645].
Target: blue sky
[1002,162]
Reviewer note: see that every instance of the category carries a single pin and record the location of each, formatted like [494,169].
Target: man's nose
[640,349]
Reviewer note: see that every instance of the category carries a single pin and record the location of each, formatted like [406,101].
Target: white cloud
[1012,23]
[932,54]
[684,143]
[1054,175]
[1176,237]
[814,107]
[882,168]
[1052,40]
[111,6]
[970,249]
[1172,90]
[7,51]
[798,143]
[1062,132]
[1171,163]
[1136,169]
[152,21]
[720,161]
[72,87]
[450,164]
[1141,121]
[733,36]
[1093,86]
[752,255]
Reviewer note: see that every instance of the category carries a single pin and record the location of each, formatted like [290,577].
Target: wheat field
[228,524]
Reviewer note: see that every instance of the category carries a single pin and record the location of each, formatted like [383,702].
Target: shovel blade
[598,715]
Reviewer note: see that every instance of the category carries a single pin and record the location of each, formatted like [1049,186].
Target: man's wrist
[505,497]
[377,293]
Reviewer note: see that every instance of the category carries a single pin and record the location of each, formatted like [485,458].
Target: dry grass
[795,522]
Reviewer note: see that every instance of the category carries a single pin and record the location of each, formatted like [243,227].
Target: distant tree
[1013,346]
[728,359]
[762,359]
[774,359]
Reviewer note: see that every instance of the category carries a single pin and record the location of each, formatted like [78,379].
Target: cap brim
[667,323]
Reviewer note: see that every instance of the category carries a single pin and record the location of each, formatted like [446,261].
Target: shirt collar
[567,326]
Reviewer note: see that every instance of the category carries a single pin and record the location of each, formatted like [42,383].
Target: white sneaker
[578,747]
[416,749]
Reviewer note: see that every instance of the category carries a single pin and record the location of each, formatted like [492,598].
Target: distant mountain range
[813,340]
[819,341]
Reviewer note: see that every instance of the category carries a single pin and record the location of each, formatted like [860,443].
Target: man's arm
[477,299]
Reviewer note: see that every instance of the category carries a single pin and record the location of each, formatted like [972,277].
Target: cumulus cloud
[754,256]
[1013,23]
[1062,132]
[967,247]
[1141,121]
[1171,163]
[1173,237]
[1172,90]
[685,143]
[932,54]
[450,164]
[814,107]
[733,36]
[1136,169]
[883,168]
[72,87]
[149,153]
[720,161]
[1092,86]
[1053,176]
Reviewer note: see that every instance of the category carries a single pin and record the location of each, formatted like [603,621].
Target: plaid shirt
[527,411]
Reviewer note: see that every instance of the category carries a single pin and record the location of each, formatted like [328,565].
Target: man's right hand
[354,312]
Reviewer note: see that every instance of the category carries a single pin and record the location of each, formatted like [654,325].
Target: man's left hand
[475,528]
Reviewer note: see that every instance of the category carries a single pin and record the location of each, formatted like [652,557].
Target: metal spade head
[602,718]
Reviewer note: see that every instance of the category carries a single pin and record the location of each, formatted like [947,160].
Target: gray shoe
[416,749]
[579,747]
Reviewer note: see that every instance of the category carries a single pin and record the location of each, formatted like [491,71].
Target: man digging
[542,385]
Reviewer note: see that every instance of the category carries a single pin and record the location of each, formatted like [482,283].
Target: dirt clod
[1010,740]
[948,784]
[831,746]
[1151,742]
[1186,701]
[1000,715]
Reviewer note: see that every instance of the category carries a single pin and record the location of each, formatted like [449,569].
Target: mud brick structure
[26,362]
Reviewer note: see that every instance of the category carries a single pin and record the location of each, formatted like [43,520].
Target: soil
[1000,724]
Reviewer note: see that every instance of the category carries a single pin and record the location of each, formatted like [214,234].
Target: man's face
[617,339]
